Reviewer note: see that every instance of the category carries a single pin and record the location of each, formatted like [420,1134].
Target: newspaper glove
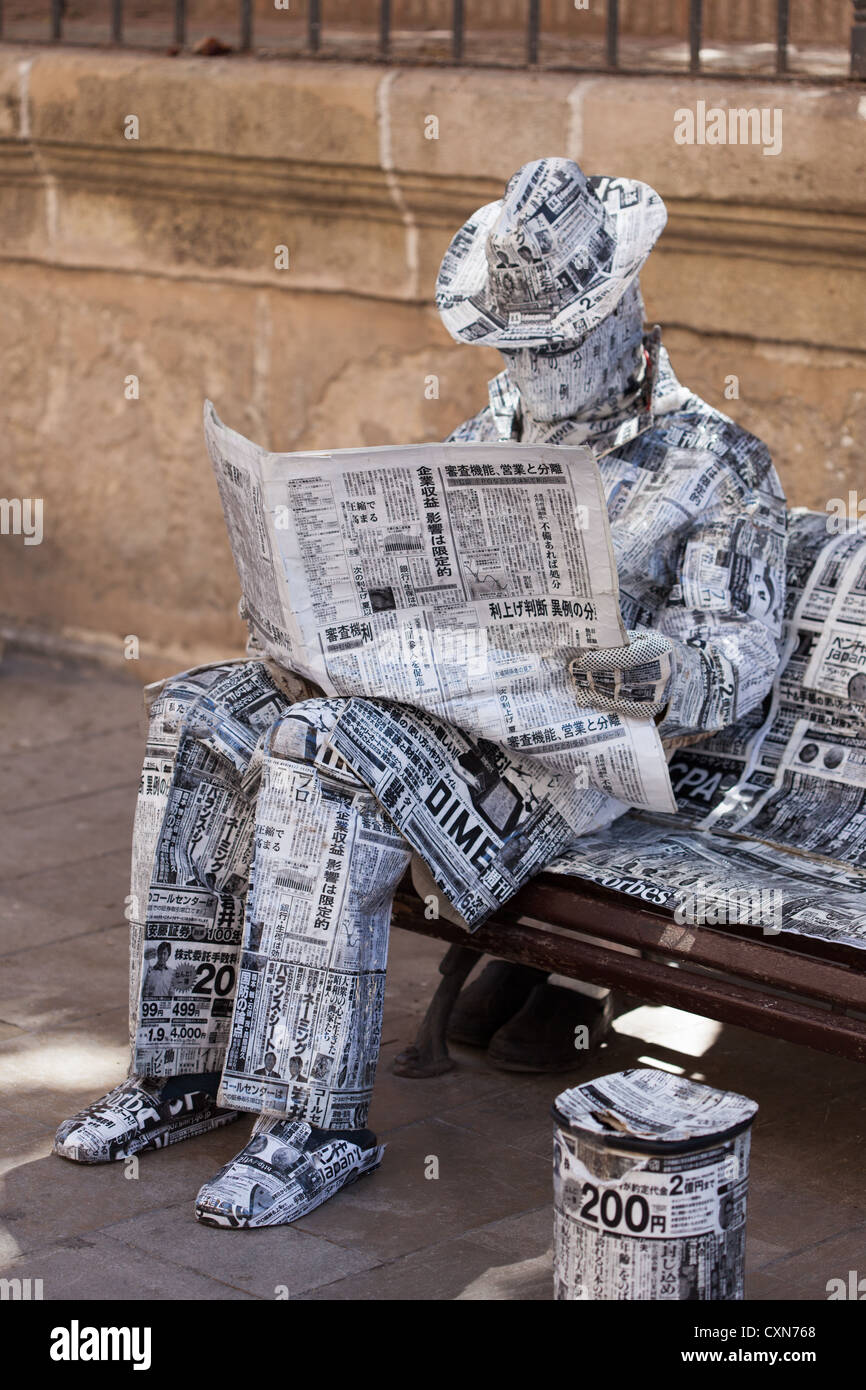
[631,680]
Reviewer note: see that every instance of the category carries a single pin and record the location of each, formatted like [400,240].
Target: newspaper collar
[660,393]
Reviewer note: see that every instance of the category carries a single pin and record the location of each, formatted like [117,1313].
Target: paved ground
[70,741]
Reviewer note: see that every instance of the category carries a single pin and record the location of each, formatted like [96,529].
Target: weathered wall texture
[155,258]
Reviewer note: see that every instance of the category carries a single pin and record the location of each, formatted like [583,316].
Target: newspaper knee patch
[483,822]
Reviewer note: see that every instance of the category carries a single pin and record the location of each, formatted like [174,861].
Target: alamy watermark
[729,125]
[852,1288]
[77,1343]
[22,516]
[846,514]
[708,905]
[20,1290]
[415,648]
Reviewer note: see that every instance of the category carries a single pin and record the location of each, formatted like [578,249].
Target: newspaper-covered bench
[749,906]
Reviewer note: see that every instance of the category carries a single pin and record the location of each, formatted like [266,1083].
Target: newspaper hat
[548,261]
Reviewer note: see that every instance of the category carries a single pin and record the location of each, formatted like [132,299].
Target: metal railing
[313,34]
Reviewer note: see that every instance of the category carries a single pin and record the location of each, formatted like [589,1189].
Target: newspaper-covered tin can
[650,1175]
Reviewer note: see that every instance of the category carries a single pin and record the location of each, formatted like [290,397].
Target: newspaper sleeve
[460,579]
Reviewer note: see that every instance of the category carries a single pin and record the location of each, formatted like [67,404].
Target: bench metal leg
[428,1055]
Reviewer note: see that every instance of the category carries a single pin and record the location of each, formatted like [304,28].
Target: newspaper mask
[551,260]
[586,380]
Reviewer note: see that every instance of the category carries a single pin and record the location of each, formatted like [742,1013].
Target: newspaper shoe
[287,1169]
[137,1116]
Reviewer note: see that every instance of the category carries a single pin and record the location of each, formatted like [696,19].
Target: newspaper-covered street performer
[275,818]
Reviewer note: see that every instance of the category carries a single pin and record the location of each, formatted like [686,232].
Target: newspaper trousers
[262,882]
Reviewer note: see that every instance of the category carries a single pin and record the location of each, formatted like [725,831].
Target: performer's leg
[308,1013]
[191,846]
[525,1023]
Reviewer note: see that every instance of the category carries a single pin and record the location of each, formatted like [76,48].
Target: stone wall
[154,258]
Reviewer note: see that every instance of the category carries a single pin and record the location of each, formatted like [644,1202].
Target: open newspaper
[457,579]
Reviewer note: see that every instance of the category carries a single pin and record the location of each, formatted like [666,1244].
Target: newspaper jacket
[698,520]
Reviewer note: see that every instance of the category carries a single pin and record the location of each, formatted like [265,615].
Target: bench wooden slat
[579,890]
[766,959]
[728,1001]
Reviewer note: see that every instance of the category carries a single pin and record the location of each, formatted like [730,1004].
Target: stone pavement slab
[37,907]
[406,1207]
[65,980]
[59,833]
[510,1259]
[281,1262]
[96,1267]
[44,703]
[48,1075]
